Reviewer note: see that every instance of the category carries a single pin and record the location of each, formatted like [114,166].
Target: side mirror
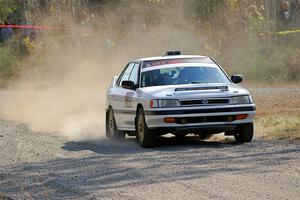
[237,78]
[128,85]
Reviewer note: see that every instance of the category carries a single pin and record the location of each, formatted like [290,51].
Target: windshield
[183,75]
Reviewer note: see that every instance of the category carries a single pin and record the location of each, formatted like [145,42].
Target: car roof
[171,57]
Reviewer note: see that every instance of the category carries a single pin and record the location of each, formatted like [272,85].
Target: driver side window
[126,74]
[134,74]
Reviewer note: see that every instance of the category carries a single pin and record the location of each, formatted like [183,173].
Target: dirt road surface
[47,166]
[40,165]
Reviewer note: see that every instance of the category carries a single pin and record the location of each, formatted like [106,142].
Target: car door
[130,101]
[122,99]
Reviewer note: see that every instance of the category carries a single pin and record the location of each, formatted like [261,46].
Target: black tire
[110,126]
[244,133]
[143,134]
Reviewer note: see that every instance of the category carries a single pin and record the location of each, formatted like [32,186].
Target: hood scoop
[222,88]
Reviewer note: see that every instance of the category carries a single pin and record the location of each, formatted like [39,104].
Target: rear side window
[126,74]
[134,74]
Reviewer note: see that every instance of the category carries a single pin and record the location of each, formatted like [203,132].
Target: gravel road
[48,166]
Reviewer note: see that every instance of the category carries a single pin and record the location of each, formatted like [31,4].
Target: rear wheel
[244,133]
[143,134]
[111,128]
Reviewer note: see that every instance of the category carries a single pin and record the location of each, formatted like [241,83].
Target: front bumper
[200,117]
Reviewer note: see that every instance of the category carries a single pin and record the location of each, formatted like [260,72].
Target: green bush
[9,62]
[280,64]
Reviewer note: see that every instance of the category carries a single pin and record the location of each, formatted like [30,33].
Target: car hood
[195,90]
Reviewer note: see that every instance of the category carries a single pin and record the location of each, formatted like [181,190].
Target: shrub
[9,62]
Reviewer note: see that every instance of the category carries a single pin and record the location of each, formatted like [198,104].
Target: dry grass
[278,115]
[279,126]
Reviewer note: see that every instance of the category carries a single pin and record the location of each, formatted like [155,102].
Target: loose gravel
[37,165]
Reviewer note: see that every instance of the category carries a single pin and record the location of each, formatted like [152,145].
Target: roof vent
[173,53]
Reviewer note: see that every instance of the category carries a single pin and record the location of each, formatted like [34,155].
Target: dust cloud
[62,86]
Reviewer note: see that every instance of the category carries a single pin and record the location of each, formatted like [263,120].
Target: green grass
[279,126]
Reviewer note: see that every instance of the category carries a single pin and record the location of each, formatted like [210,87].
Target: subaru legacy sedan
[178,94]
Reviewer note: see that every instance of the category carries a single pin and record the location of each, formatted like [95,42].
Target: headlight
[241,100]
[164,103]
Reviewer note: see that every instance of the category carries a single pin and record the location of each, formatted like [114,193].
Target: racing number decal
[128,99]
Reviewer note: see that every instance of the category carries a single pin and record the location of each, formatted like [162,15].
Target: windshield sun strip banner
[153,63]
[178,65]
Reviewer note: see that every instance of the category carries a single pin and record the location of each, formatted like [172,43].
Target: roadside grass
[279,126]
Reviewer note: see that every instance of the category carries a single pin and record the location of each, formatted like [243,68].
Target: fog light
[169,120]
[230,118]
[241,117]
[183,121]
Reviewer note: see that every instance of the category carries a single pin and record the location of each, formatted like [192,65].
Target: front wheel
[110,126]
[244,133]
[143,134]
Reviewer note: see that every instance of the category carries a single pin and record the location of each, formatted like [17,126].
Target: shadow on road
[129,145]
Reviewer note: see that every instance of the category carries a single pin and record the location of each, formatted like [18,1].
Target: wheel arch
[107,109]
[139,106]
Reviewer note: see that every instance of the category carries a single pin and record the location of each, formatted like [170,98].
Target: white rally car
[177,94]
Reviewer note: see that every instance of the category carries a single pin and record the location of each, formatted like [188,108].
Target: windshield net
[183,75]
